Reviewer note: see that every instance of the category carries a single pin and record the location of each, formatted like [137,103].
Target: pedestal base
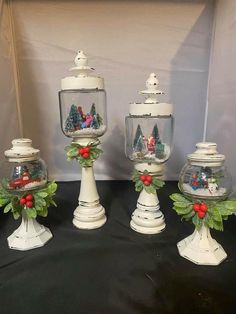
[147,217]
[90,217]
[201,249]
[147,221]
[29,235]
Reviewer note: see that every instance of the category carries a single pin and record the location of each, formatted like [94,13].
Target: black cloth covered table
[113,269]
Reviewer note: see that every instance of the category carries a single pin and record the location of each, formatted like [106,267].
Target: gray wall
[125,40]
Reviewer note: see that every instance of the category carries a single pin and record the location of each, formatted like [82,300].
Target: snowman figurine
[212,185]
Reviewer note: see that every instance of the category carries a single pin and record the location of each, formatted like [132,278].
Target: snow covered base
[201,249]
[87,132]
[147,217]
[29,235]
[149,156]
[203,192]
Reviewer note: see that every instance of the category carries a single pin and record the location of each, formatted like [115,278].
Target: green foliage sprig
[73,151]
[146,181]
[215,211]
[41,200]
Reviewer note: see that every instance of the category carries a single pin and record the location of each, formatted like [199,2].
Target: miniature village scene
[80,123]
[151,147]
[204,183]
[29,176]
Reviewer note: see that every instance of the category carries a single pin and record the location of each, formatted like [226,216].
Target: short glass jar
[205,175]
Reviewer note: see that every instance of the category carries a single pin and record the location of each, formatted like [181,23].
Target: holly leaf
[16,215]
[31,212]
[188,216]
[176,197]
[42,194]
[7,208]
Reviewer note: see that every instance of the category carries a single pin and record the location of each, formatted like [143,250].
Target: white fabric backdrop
[126,40]
[221,126]
[9,127]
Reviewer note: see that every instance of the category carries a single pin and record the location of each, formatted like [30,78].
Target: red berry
[87,150]
[196,207]
[204,207]
[149,178]
[29,204]
[201,214]
[81,151]
[146,182]
[85,155]
[142,178]
[22,201]
[29,197]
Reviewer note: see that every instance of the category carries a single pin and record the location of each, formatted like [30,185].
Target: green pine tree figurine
[138,134]
[159,150]
[93,110]
[155,133]
[69,126]
[94,123]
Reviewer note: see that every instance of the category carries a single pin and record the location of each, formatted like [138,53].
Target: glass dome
[82,102]
[149,127]
[24,170]
[205,176]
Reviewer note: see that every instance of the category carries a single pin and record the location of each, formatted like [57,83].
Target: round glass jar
[82,102]
[24,171]
[205,176]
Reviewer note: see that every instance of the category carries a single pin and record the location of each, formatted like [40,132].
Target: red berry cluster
[200,209]
[147,180]
[84,152]
[27,200]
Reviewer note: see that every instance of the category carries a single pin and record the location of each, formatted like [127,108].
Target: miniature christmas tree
[155,134]
[69,126]
[140,145]
[36,172]
[99,118]
[138,134]
[93,110]
[159,150]
[95,123]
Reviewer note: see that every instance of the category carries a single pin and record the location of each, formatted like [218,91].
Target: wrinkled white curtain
[125,40]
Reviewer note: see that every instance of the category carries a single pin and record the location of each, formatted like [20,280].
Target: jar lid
[151,106]
[82,79]
[22,150]
[206,154]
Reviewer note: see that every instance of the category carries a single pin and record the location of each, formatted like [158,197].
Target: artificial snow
[90,132]
[203,192]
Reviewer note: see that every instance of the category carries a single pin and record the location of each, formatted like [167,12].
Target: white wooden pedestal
[200,248]
[90,214]
[29,235]
[147,217]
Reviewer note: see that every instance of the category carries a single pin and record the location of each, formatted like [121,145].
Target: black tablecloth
[113,269]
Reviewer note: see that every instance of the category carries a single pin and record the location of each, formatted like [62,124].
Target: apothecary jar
[205,175]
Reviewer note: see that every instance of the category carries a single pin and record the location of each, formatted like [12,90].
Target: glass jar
[24,171]
[149,138]
[83,112]
[205,176]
